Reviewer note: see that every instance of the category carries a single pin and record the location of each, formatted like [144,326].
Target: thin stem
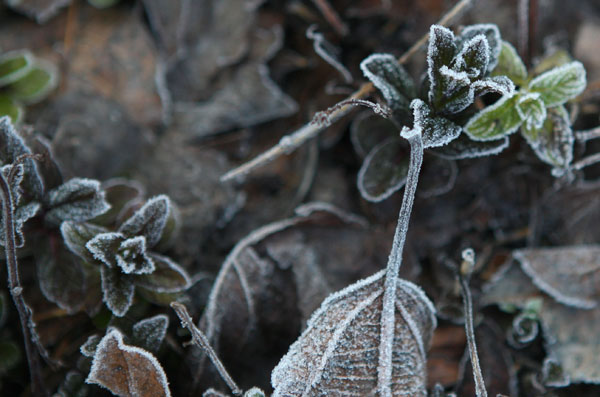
[332,17]
[388,318]
[586,161]
[16,291]
[587,135]
[293,141]
[201,341]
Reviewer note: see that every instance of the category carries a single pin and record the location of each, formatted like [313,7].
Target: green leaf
[167,277]
[384,170]
[35,85]
[10,355]
[510,65]
[117,290]
[9,108]
[495,121]
[531,110]
[394,82]
[435,130]
[560,84]
[551,61]
[14,65]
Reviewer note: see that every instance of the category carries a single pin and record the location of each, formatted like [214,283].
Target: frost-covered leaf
[473,57]
[369,130]
[150,332]
[553,374]
[73,386]
[394,82]
[555,59]
[78,200]
[436,131]
[499,85]
[123,196]
[14,65]
[553,141]
[127,371]
[495,121]
[531,110]
[167,276]
[213,393]
[132,257]
[35,85]
[149,221]
[21,215]
[456,91]
[465,148]
[492,35]
[117,290]
[88,349]
[104,247]
[10,108]
[384,170]
[254,392]
[76,235]
[338,352]
[560,84]
[510,64]
[440,52]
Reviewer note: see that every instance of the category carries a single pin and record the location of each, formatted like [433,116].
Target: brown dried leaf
[125,370]
[338,353]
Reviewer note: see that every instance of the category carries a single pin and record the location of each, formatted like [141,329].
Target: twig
[16,291]
[388,318]
[587,135]
[291,142]
[586,162]
[202,342]
[332,17]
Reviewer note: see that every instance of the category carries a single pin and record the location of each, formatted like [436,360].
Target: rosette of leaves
[536,109]
[458,71]
[24,80]
[127,258]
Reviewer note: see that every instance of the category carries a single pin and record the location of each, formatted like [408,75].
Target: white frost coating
[440,39]
[492,34]
[560,84]
[164,264]
[531,109]
[78,200]
[435,131]
[486,134]
[151,331]
[388,68]
[132,251]
[75,236]
[99,366]
[328,52]
[89,347]
[101,244]
[477,51]
[117,294]
[150,220]
[499,84]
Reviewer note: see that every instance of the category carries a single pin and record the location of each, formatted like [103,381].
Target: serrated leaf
[495,121]
[560,84]
[10,108]
[35,85]
[168,276]
[14,65]
[394,82]
[553,141]
[149,221]
[76,235]
[78,200]
[510,64]
[440,52]
[338,352]
[150,332]
[474,57]
[127,371]
[499,85]
[465,148]
[531,111]
[436,131]
[492,35]
[384,170]
[117,290]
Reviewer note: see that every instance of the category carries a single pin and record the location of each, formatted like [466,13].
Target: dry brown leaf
[127,371]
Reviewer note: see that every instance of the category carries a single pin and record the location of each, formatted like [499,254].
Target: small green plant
[24,80]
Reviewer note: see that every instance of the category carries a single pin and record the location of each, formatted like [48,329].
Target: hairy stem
[388,318]
[16,291]
[202,342]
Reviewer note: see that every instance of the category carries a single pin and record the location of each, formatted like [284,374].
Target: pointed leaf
[123,196]
[105,246]
[21,215]
[10,108]
[456,91]
[35,85]
[76,235]
[127,370]
[440,52]
[132,257]
[78,200]
[168,276]
[14,65]
[436,131]
[499,85]
[394,82]
[531,111]
[465,148]
[492,35]
[510,64]
[150,332]
[149,221]
[117,290]
[560,84]
[338,352]
[384,170]
[495,121]
[474,57]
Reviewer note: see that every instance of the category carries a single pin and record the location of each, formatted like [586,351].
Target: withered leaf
[338,352]
[125,370]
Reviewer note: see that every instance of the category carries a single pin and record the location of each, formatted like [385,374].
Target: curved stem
[388,318]
[16,291]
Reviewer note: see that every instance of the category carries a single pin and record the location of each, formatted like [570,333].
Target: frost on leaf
[78,200]
[132,257]
[457,93]
[499,85]
[492,35]
[167,276]
[76,235]
[117,290]
[394,82]
[436,131]
[440,52]
[465,148]
[510,64]
[553,141]
[495,121]
[88,349]
[474,57]
[125,370]
[149,221]
[150,332]
[384,170]
[104,247]
[560,84]
[531,111]
[338,352]
[14,65]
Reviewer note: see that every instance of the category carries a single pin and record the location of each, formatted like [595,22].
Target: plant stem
[201,341]
[293,141]
[388,318]
[16,291]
